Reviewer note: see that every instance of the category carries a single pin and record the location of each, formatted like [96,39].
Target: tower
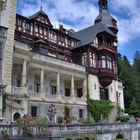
[105,18]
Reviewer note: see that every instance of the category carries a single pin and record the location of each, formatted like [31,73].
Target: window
[80,113]
[66,41]
[114,22]
[40,30]
[67,92]
[52,36]
[37,29]
[34,111]
[103,65]
[72,42]
[45,32]
[109,62]
[37,87]
[19,22]
[84,59]
[104,94]
[61,56]
[92,60]
[79,92]
[53,90]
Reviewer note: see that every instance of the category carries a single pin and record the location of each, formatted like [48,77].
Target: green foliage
[40,121]
[130,76]
[27,120]
[123,118]
[98,108]
[5,97]
[59,120]
[83,137]
[87,121]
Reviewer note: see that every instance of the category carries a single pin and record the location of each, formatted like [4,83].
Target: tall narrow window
[34,111]
[37,29]
[53,90]
[84,59]
[40,30]
[103,65]
[109,62]
[67,92]
[80,113]
[104,94]
[37,87]
[79,92]
[92,60]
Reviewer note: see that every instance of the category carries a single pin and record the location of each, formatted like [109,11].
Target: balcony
[107,47]
[19,90]
[106,76]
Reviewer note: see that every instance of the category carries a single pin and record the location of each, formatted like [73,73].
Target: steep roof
[106,18]
[41,12]
[88,34]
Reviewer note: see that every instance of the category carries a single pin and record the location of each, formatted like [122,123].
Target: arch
[16,116]
[120,136]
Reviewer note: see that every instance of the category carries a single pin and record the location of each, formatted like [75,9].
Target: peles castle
[41,65]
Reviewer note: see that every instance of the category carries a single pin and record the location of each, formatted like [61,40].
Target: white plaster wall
[93,93]
[120,91]
[112,92]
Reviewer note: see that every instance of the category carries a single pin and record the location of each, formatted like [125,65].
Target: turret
[105,18]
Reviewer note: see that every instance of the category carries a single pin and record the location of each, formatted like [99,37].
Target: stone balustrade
[62,131]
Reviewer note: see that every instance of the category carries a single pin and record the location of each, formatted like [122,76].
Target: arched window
[16,116]
[109,62]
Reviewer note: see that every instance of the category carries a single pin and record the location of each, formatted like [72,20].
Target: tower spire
[41,6]
[103,4]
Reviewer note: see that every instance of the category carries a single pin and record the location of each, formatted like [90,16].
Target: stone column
[24,74]
[58,83]
[84,87]
[42,81]
[72,86]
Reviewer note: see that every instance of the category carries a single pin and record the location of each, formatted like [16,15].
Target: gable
[41,17]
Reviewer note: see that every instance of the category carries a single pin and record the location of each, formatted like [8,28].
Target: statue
[51,113]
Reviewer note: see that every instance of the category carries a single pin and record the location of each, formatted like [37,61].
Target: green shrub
[68,138]
[123,118]
[87,121]
[83,137]
[98,108]
[40,121]
[59,120]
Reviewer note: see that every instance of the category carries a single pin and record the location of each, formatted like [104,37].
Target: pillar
[84,88]
[24,74]
[42,81]
[72,86]
[58,83]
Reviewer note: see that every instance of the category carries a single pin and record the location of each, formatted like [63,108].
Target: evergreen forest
[129,74]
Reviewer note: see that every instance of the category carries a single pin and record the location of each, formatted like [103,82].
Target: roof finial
[103,4]
[41,6]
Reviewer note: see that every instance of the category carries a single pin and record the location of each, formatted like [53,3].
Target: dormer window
[114,22]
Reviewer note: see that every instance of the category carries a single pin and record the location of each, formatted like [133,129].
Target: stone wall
[43,108]
[8,17]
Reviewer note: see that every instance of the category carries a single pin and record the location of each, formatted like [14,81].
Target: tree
[131,80]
